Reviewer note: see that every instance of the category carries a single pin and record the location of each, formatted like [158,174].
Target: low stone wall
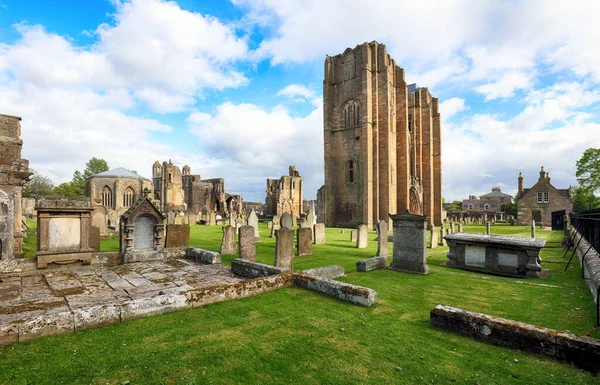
[61,319]
[340,290]
[583,352]
[205,257]
[327,272]
[249,269]
[369,264]
[589,263]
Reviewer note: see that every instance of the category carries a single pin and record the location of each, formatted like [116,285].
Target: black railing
[587,224]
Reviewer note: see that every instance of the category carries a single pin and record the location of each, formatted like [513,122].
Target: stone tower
[382,141]
[285,194]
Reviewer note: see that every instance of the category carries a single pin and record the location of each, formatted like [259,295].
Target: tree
[76,187]
[38,186]
[588,177]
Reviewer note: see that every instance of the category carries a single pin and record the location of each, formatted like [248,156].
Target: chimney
[542,174]
[548,177]
[520,184]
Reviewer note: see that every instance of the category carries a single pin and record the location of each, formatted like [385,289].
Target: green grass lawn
[300,337]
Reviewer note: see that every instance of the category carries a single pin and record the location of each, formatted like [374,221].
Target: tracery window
[351,114]
[128,197]
[107,197]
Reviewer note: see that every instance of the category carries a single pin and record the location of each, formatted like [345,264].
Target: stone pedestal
[63,232]
[409,243]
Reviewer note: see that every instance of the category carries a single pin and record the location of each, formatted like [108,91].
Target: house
[542,200]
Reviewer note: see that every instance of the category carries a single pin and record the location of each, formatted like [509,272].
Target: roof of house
[119,172]
[562,191]
[496,194]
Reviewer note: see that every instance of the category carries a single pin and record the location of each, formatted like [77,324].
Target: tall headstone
[304,241]
[409,243]
[442,240]
[451,228]
[488,228]
[460,227]
[246,243]
[433,241]
[286,220]
[294,221]
[284,248]
[270,225]
[212,218]
[361,239]
[232,220]
[353,235]
[382,239]
[310,219]
[239,222]
[228,242]
[533,228]
[253,221]
[319,233]
[276,222]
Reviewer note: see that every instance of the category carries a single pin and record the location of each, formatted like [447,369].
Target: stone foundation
[583,352]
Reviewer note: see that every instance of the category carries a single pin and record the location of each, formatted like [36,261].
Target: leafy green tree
[76,187]
[588,176]
[38,186]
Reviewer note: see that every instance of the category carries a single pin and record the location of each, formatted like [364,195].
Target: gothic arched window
[107,197]
[350,172]
[351,114]
[128,197]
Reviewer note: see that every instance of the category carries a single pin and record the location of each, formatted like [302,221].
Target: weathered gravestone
[382,239]
[95,238]
[460,227]
[361,239]
[212,218]
[353,235]
[228,242]
[294,221]
[442,240]
[246,243]
[284,248]
[409,243]
[171,217]
[232,220]
[433,241]
[451,228]
[253,221]
[270,225]
[319,234]
[286,220]
[239,222]
[304,241]
[488,228]
[533,228]
[310,219]
[177,236]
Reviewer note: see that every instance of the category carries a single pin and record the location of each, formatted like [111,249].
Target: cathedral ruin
[382,141]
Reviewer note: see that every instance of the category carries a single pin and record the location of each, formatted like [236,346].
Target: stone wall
[285,194]
[589,261]
[527,202]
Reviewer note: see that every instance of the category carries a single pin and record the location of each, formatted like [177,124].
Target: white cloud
[451,107]
[298,92]
[506,86]
[255,143]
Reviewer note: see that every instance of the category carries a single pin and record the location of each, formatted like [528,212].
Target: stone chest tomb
[142,232]
[63,231]
[496,254]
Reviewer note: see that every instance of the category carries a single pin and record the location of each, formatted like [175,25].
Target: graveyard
[300,336]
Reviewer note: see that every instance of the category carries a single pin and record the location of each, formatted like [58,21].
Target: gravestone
[442,240]
[246,243]
[212,218]
[488,228]
[284,248]
[239,222]
[533,228]
[361,239]
[433,241]
[270,225]
[253,221]
[170,217]
[382,239]
[95,238]
[319,234]
[232,220]
[228,242]
[460,227]
[294,221]
[177,236]
[409,243]
[353,235]
[276,222]
[451,228]
[310,219]
[304,241]
[286,220]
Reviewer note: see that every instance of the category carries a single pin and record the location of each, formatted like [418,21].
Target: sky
[234,88]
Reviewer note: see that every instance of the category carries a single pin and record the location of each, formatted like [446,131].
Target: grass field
[300,337]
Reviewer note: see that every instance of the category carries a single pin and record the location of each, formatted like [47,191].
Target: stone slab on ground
[357,295]
[203,256]
[327,272]
[581,351]
[368,264]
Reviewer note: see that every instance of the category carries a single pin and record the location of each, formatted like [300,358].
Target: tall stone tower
[382,141]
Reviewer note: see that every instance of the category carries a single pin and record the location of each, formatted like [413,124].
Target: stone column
[533,228]
[409,243]
[433,241]
[129,237]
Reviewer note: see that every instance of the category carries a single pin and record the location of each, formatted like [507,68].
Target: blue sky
[234,88]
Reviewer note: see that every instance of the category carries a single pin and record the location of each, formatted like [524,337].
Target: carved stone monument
[284,248]
[63,232]
[228,242]
[304,241]
[409,243]
[142,232]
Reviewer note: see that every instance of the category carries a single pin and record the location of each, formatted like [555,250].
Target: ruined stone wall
[28,208]
[527,203]
[394,145]
[168,186]
[14,171]
[284,195]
